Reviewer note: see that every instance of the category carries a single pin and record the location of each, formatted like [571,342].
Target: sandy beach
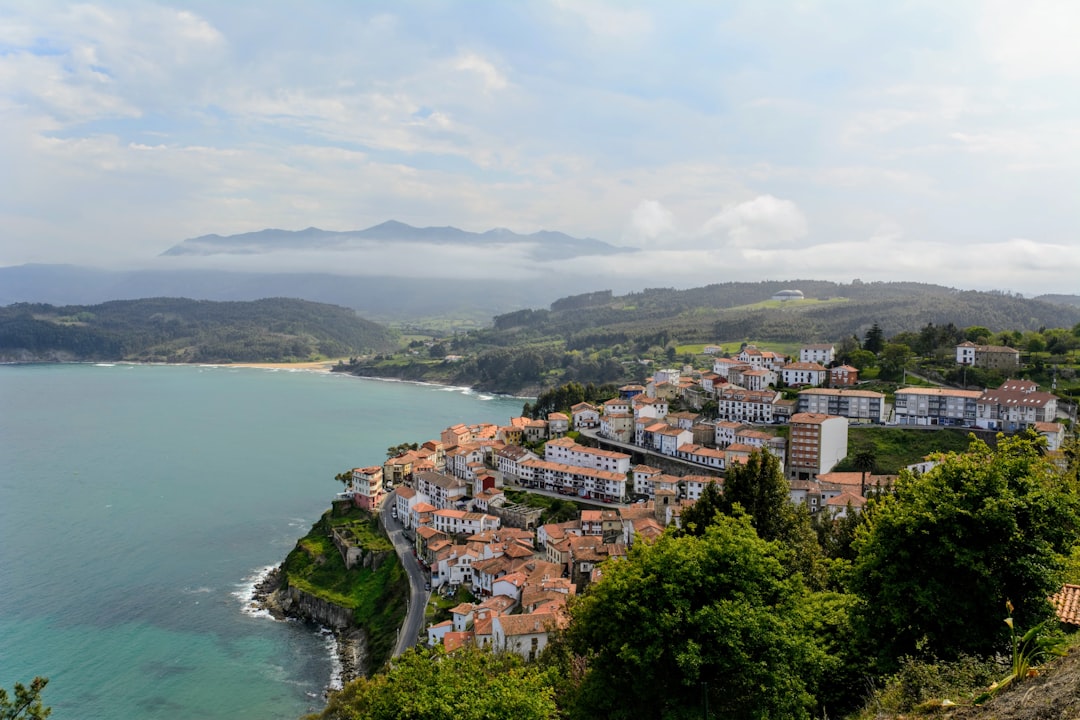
[321,365]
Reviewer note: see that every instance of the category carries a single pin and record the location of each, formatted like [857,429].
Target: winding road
[418,596]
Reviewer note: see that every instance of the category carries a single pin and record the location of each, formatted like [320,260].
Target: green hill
[182,330]
[600,337]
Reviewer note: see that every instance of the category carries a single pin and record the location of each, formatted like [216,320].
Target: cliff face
[341,576]
[297,603]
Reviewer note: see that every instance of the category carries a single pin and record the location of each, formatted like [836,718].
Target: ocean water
[138,504]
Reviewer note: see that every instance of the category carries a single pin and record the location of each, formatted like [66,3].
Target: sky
[922,141]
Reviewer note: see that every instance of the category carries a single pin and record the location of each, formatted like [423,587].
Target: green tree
[688,620]
[468,684]
[862,359]
[703,512]
[864,461]
[940,557]
[894,358]
[978,334]
[875,339]
[345,477]
[26,703]
[395,450]
[759,489]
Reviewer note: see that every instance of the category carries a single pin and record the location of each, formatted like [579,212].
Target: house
[746,405]
[843,376]
[684,420]
[709,457]
[859,405]
[565,450]
[650,407]
[1054,432]
[367,487]
[936,406]
[558,424]
[617,426]
[667,439]
[722,367]
[1015,405]
[759,359]
[694,485]
[757,379]
[629,392]
[816,443]
[616,406]
[404,498]
[571,480]
[724,432]
[459,522]
[524,635]
[442,491]
[508,458]
[847,501]
[585,416]
[822,354]
[805,373]
[990,357]
[667,375]
[456,435]
[643,478]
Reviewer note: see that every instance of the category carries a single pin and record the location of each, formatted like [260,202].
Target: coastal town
[633,465]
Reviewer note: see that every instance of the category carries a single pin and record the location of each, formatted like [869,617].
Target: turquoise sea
[138,504]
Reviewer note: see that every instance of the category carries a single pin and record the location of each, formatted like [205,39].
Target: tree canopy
[690,619]
[26,702]
[468,684]
[941,556]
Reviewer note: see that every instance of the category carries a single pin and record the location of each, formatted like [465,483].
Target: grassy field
[376,597]
[789,305]
[731,347]
[896,448]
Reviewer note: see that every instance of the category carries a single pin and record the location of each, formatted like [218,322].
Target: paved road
[418,596]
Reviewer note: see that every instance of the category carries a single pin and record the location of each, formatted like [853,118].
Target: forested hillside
[181,330]
[600,337]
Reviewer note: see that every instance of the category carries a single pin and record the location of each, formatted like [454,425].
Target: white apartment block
[862,405]
[742,405]
[936,406]
[568,452]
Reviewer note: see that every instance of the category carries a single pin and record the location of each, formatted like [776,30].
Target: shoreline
[317,366]
[464,389]
[344,645]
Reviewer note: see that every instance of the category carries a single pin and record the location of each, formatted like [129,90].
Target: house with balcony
[948,407]
[1015,405]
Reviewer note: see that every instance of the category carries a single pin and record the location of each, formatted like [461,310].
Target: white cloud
[1035,39]
[651,224]
[764,222]
[493,79]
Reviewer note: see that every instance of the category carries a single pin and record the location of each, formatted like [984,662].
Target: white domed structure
[785,295]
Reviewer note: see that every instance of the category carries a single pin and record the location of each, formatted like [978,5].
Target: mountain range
[544,244]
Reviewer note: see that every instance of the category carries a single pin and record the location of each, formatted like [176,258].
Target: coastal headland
[345,576]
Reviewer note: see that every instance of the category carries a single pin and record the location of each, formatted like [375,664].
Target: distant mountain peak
[545,244]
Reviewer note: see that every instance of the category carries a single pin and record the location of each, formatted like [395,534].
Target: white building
[821,354]
[816,443]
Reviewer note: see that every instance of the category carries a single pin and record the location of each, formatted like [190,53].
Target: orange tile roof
[1066,602]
